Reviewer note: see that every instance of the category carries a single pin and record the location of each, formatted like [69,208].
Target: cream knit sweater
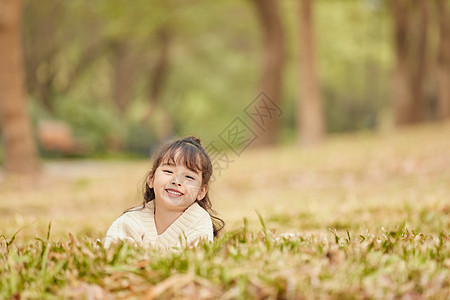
[138,227]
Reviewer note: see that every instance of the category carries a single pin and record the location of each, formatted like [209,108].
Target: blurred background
[112,79]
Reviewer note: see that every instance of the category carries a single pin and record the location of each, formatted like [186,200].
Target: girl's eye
[167,171]
[190,177]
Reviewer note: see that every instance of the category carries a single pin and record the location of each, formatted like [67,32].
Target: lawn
[365,215]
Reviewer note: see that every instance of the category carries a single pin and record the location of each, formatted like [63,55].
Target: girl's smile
[174,193]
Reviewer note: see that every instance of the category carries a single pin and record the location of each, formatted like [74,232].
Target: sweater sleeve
[123,229]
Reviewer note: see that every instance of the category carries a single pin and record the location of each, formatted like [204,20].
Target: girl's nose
[175,181]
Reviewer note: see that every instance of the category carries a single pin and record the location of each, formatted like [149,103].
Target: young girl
[176,210]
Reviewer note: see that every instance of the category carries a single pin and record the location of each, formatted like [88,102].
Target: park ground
[368,216]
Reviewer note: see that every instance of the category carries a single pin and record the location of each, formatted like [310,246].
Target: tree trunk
[19,146]
[420,63]
[272,68]
[156,84]
[411,42]
[402,91]
[123,68]
[443,65]
[310,116]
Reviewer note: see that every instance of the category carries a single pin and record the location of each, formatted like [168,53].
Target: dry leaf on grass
[184,285]
[86,291]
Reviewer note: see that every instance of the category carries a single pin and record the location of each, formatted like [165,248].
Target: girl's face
[176,187]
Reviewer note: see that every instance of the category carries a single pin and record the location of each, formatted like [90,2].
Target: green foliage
[214,72]
[139,17]
[214,65]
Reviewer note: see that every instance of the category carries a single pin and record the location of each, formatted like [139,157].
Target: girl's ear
[202,192]
[150,180]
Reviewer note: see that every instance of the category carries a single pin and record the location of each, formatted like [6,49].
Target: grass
[241,264]
[362,216]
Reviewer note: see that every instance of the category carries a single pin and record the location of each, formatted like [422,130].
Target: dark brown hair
[195,158]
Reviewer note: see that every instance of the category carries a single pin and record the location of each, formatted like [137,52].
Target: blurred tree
[443,61]
[125,62]
[122,63]
[311,124]
[411,45]
[20,150]
[42,23]
[134,33]
[272,64]
[157,82]
[58,54]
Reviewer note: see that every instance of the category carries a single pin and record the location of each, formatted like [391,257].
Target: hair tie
[196,144]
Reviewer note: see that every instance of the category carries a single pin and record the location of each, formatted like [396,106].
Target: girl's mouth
[174,193]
